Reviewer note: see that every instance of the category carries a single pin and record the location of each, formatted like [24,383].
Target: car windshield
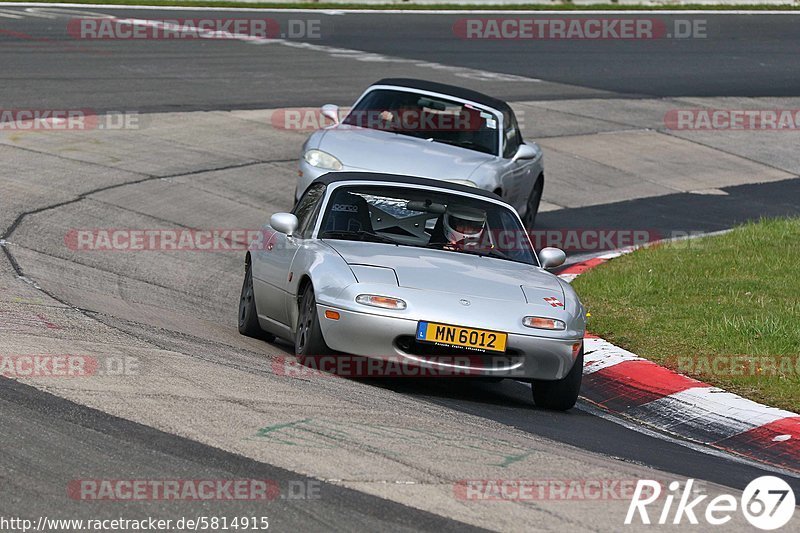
[423,218]
[425,117]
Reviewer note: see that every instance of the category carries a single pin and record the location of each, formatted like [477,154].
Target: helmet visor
[468,225]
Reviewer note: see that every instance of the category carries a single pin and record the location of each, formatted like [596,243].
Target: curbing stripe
[600,354]
[707,414]
[573,271]
[631,384]
[780,440]
[620,382]
[579,268]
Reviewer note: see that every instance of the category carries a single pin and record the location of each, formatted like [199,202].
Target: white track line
[347,53]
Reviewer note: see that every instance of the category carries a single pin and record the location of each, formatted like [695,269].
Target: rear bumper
[393,338]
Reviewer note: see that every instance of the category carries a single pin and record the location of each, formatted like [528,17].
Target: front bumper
[393,338]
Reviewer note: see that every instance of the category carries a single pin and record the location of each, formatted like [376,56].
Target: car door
[273,261]
[517,176]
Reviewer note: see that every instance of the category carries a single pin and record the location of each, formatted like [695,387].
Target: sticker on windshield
[491,122]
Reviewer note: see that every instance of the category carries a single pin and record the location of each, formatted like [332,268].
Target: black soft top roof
[333,177]
[452,90]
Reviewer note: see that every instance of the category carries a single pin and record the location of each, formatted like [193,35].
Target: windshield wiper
[483,252]
[491,252]
[397,130]
[360,235]
[470,145]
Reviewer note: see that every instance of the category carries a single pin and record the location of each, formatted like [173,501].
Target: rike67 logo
[767,503]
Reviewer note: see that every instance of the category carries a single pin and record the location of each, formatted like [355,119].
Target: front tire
[308,340]
[560,394]
[248,315]
[532,207]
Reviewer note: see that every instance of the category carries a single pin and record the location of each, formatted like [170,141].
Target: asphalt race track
[203,402]
[740,56]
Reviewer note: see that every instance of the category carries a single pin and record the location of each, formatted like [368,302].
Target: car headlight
[386,302]
[543,323]
[320,159]
[468,183]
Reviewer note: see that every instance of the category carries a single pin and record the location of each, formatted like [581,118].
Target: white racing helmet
[463,224]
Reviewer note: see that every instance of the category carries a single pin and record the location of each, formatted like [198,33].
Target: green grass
[737,294]
[556,5]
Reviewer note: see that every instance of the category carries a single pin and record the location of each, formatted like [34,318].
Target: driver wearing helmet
[463,226]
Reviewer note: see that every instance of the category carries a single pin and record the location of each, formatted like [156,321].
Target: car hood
[451,272]
[381,151]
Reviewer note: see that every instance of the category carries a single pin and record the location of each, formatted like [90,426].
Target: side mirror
[330,111]
[284,223]
[552,257]
[525,151]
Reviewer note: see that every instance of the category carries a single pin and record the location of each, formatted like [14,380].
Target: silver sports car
[440,276]
[427,129]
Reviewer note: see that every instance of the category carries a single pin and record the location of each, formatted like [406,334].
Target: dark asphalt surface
[43,66]
[681,214]
[49,442]
[740,55]
[509,402]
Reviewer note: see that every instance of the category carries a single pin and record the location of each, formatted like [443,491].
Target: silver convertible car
[435,274]
[427,129]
